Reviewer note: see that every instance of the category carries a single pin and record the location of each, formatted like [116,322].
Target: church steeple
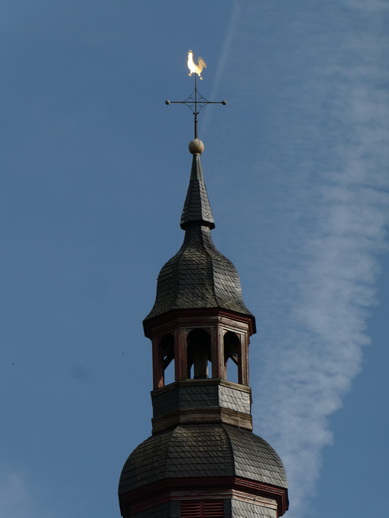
[198,276]
[197,209]
[202,460]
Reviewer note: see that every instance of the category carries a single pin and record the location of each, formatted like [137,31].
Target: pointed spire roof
[198,276]
[197,209]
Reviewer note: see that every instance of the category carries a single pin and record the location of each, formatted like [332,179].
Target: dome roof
[198,276]
[202,450]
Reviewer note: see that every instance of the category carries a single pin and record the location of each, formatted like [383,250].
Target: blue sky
[94,170]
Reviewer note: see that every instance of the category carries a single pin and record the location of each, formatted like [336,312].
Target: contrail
[322,212]
[311,366]
[223,59]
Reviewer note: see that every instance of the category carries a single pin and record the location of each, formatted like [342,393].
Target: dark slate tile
[253,457]
[202,450]
[198,276]
[242,509]
[160,511]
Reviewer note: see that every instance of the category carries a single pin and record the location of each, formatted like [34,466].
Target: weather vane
[195,102]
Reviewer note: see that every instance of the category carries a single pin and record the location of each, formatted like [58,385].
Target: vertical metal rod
[195,113]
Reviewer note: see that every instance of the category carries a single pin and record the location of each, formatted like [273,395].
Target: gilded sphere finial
[196,146]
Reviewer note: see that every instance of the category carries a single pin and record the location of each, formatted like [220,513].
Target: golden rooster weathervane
[193,68]
[195,102]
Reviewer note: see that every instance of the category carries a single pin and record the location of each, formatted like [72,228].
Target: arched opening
[232,354]
[167,353]
[199,354]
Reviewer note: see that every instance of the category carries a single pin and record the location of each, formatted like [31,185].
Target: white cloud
[20,496]
[14,498]
[313,363]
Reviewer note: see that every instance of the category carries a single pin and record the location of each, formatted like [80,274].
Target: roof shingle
[202,450]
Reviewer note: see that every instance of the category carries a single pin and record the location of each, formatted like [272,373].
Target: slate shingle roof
[198,276]
[202,450]
[197,209]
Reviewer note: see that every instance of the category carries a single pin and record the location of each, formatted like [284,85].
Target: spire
[198,276]
[197,209]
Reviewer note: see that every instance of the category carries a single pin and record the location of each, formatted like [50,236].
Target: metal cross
[195,102]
